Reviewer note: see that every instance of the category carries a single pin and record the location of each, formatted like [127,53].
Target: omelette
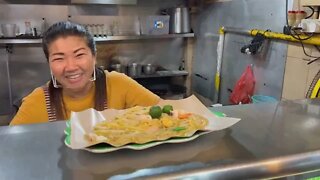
[141,125]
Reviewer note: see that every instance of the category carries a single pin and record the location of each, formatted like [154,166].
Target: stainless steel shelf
[20,41]
[119,2]
[163,74]
[103,39]
[137,37]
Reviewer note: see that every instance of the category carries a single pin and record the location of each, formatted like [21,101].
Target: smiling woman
[76,83]
[72,64]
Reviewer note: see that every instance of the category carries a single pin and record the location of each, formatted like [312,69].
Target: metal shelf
[119,2]
[102,39]
[137,37]
[20,41]
[163,74]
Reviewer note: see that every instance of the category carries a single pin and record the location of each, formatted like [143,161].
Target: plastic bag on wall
[244,88]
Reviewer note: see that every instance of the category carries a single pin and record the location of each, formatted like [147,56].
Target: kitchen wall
[27,66]
[247,14]
[167,53]
[298,73]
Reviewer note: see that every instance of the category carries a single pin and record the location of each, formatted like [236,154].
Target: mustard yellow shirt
[122,92]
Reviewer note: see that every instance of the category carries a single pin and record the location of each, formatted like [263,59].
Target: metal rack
[163,74]
[102,39]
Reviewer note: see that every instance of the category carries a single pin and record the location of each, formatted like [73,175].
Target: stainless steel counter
[271,140]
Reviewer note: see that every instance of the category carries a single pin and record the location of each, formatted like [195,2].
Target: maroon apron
[51,111]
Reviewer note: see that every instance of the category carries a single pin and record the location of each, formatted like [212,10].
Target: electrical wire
[311,13]
[304,51]
[303,48]
[298,36]
[287,22]
[314,60]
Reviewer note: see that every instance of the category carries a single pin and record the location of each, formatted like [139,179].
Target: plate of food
[138,128]
[104,148]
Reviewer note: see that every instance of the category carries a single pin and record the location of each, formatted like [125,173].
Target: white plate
[104,148]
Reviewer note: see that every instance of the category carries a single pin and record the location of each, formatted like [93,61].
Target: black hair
[65,29]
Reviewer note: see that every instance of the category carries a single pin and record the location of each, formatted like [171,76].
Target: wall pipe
[219,62]
[315,40]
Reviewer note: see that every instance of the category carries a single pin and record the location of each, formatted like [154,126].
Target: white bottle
[90,29]
[100,30]
[94,30]
[28,30]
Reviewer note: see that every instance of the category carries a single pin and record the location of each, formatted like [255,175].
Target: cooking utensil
[149,69]
[9,30]
[118,67]
[134,69]
[179,20]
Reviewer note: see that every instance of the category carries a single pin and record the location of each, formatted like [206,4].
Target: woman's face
[71,62]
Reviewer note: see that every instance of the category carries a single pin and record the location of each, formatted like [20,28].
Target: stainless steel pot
[134,69]
[179,20]
[149,69]
[118,67]
[9,30]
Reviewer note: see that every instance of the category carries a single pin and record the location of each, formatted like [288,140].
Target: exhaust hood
[124,2]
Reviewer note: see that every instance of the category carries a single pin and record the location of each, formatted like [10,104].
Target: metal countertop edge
[267,168]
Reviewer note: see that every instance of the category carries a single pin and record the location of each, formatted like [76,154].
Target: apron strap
[50,110]
[105,105]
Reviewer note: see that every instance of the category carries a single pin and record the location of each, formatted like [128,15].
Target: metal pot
[134,69]
[9,30]
[179,20]
[149,69]
[118,67]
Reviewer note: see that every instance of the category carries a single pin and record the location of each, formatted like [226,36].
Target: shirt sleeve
[32,110]
[134,93]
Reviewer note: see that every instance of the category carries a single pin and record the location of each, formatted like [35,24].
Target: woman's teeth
[73,76]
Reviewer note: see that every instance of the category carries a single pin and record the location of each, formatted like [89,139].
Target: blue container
[261,98]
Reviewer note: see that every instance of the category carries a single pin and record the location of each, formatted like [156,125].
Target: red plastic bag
[244,88]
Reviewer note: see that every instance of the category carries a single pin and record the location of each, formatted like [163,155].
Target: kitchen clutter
[154,25]
[134,69]
[125,25]
[179,19]
[172,20]
[149,69]
[133,65]
[142,71]
[26,29]
[9,30]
